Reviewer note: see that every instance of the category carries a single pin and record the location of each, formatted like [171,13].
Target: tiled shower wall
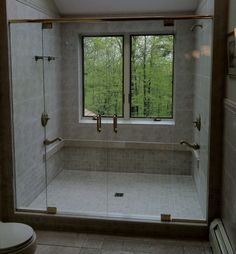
[155,161]
[27,88]
[202,95]
[29,103]
[183,84]
[128,160]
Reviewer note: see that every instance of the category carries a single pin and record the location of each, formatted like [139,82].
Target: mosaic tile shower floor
[145,196]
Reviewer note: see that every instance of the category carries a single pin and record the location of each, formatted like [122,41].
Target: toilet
[17,238]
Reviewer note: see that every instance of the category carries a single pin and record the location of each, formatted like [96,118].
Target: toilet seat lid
[14,234]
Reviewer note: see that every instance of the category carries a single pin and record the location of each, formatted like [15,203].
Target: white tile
[145,195]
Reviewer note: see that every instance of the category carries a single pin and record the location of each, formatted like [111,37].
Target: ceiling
[118,7]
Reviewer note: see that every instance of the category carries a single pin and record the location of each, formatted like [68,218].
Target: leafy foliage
[103,75]
[151,75]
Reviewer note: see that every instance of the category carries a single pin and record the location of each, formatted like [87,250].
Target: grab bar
[99,123]
[47,142]
[194,146]
[115,123]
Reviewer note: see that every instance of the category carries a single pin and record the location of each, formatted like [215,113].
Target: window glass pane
[152,76]
[103,75]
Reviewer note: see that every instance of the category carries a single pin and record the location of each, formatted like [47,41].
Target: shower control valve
[44,119]
[197,123]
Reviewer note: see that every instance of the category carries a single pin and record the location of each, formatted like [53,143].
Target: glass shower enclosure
[74,155]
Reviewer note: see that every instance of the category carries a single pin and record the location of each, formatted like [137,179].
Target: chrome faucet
[194,146]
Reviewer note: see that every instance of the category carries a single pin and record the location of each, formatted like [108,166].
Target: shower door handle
[99,123]
[115,123]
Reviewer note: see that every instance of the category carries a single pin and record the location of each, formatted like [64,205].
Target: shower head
[196,26]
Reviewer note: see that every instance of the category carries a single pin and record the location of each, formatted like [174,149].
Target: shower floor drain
[119,194]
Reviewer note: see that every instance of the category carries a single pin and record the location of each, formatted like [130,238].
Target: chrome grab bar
[99,123]
[47,142]
[194,146]
[115,123]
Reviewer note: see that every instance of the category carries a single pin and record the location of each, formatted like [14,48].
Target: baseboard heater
[218,238]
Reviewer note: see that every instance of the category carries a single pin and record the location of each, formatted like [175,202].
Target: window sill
[130,121]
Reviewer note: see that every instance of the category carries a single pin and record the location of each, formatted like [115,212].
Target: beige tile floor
[146,196]
[50,242]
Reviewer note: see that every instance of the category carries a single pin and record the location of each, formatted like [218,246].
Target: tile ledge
[114,145]
[125,145]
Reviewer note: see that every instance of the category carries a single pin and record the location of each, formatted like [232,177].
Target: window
[151,76]
[103,75]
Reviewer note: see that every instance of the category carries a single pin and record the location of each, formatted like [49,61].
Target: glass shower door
[27,106]
[188,179]
[53,141]
[76,152]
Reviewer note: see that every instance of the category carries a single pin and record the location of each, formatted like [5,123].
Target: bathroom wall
[28,41]
[29,83]
[128,157]
[183,86]
[228,202]
[163,133]
[202,96]
[27,88]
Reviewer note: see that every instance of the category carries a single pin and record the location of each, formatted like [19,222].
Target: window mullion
[126,76]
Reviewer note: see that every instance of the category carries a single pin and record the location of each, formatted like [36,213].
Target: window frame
[126,74]
[130,75]
[83,69]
